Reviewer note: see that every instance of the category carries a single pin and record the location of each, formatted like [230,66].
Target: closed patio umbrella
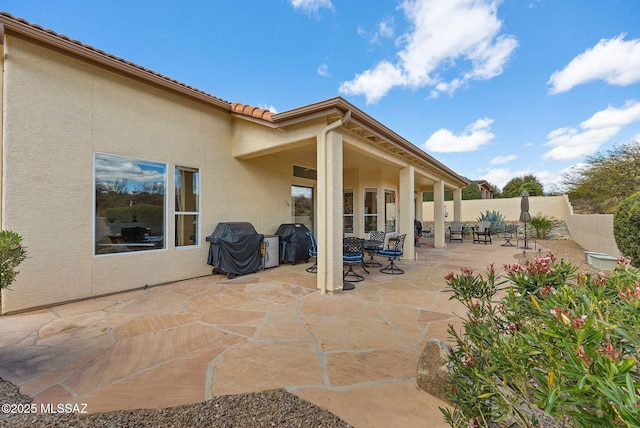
[524,214]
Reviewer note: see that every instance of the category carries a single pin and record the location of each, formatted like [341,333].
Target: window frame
[177,213]
[346,214]
[374,191]
[394,220]
[110,156]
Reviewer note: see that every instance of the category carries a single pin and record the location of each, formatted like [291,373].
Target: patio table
[372,247]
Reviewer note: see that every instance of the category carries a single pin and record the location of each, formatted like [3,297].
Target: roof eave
[339,105]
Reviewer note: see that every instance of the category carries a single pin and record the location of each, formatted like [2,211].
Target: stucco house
[94,146]
[486,189]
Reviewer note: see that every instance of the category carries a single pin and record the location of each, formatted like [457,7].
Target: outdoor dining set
[359,251]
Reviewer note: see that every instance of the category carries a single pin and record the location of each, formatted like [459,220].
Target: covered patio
[354,353]
[351,160]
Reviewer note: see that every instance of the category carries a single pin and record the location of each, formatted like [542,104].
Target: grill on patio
[234,249]
[294,243]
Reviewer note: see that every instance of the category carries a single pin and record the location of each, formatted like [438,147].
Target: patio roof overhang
[368,143]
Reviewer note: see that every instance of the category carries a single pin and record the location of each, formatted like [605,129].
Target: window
[303,172]
[347,211]
[129,204]
[389,210]
[187,209]
[302,205]
[370,210]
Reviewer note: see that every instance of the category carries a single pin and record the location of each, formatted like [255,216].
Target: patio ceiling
[353,158]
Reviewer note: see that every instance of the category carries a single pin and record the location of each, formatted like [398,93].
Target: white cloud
[502,159]
[571,143]
[311,6]
[615,61]
[432,47]
[496,176]
[323,70]
[474,136]
[385,27]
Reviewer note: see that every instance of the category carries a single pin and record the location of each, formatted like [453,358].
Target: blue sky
[493,89]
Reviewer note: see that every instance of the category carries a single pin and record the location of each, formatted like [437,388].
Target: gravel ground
[275,408]
[563,249]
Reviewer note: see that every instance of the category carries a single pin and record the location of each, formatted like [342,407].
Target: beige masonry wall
[58,112]
[594,232]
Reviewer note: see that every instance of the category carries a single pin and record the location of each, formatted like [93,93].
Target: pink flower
[578,322]
[450,276]
[513,268]
[546,290]
[467,271]
[583,355]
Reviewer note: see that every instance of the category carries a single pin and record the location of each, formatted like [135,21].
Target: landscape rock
[433,372]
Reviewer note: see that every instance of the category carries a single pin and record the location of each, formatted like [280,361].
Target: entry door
[302,205]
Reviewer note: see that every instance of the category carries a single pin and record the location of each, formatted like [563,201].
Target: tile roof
[247,110]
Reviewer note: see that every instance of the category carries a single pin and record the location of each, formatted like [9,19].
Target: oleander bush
[558,348]
[12,253]
[626,228]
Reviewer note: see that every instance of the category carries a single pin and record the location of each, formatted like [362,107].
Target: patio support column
[329,220]
[407,210]
[457,204]
[438,215]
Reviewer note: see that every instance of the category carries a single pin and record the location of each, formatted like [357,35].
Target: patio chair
[393,254]
[482,232]
[373,247]
[509,232]
[456,232]
[352,255]
[313,252]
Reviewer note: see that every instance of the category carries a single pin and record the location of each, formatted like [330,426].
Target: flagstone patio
[354,353]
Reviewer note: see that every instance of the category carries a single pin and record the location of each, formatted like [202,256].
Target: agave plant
[496,219]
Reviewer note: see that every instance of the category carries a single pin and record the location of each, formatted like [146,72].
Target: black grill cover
[294,243]
[235,248]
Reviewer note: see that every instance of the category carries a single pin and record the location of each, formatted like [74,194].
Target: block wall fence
[593,232]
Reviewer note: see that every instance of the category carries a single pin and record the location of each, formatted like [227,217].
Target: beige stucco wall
[594,232]
[58,112]
[553,206]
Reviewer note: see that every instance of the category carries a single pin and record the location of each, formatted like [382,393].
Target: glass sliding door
[389,211]
[347,210]
[370,210]
[302,205]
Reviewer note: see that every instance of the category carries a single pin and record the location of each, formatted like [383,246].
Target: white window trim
[365,215]
[198,243]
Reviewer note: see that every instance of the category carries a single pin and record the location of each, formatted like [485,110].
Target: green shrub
[496,219]
[543,225]
[12,253]
[626,228]
[559,349]
[120,215]
[150,215]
